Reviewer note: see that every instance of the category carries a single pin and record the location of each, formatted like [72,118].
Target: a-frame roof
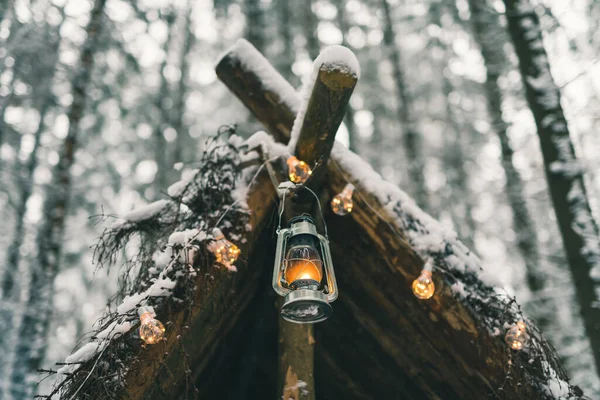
[381,341]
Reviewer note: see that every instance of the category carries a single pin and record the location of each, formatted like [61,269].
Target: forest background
[440,110]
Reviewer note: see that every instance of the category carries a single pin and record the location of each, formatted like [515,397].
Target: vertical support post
[296,378]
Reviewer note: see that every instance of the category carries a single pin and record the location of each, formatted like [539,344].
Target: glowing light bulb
[517,336]
[152,330]
[342,203]
[423,287]
[226,253]
[298,171]
[303,266]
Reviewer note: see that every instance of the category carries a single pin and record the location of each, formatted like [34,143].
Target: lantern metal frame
[310,303]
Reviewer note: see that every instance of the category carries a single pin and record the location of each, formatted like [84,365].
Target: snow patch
[555,386]
[143,213]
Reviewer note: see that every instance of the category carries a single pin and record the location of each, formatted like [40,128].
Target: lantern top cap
[302,218]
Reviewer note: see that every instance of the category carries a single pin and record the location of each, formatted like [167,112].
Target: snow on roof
[426,235]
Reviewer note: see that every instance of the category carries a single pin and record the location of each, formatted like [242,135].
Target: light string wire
[282,207]
[429,265]
[391,227]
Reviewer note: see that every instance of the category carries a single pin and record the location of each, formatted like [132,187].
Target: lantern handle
[282,237]
[320,210]
[284,187]
[332,289]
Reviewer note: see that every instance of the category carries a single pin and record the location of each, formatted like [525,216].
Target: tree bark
[410,136]
[576,223]
[31,346]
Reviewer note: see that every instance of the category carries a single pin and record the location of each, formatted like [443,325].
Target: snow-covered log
[263,91]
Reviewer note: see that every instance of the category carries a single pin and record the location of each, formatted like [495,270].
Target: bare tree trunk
[179,104]
[160,144]
[563,172]
[410,137]
[7,13]
[25,176]
[31,346]
[255,24]
[349,117]
[288,55]
[311,24]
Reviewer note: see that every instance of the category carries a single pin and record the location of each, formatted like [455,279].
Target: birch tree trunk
[288,54]
[31,346]
[563,171]
[410,136]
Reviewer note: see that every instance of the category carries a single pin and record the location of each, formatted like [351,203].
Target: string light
[225,252]
[423,287]
[517,336]
[342,203]
[152,330]
[298,171]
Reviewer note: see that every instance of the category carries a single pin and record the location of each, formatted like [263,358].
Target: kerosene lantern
[303,272]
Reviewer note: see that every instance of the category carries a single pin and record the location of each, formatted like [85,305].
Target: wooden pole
[296,378]
[324,112]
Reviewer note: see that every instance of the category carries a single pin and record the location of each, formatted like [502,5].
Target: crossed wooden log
[381,342]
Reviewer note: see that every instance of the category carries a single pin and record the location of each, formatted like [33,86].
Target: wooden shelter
[381,341]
